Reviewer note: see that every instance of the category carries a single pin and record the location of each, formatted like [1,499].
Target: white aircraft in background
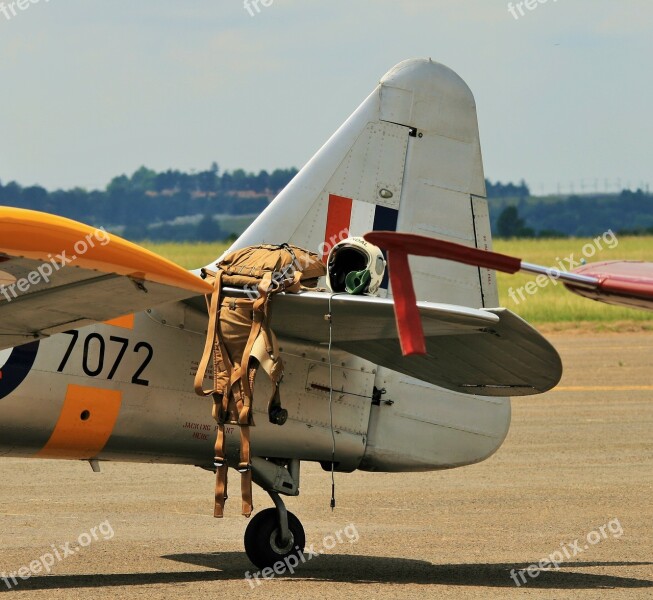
[79,380]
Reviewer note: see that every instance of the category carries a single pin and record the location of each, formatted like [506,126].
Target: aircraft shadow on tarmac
[224,566]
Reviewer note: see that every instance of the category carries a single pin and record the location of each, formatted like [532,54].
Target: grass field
[553,304]
[188,255]
[551,307]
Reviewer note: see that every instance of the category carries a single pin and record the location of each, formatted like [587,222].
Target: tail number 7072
[93,359]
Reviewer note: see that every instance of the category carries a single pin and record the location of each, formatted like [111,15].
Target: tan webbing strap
[245,401]
[268,357]
[222,363]
[221,473]
[221,410]
[242,369]
[214,307]
[271,364]
[246,493]
[263,306]
[221,401]
[241,390]
[296,285]
[244,406]
[245,468]
[259,310]
[220,491]
[264,288]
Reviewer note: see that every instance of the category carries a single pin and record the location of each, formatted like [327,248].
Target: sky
[91,89]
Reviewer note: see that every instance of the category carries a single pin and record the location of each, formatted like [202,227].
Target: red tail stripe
[338,222]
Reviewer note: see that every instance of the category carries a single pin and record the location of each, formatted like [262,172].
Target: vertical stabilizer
[408,159]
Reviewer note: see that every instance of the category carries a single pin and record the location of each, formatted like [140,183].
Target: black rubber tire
[261,532]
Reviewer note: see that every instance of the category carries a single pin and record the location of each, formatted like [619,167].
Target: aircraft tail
[408,159]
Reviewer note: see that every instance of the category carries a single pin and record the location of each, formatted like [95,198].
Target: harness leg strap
[245,467]
[220,473]
[220,490]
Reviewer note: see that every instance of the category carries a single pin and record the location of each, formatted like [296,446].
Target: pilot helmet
[355,266]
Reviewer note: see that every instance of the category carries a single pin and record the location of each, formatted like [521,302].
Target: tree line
[210,205]
[627,213]
[167,205]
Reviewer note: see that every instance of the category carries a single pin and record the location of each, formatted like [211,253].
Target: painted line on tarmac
[603,388]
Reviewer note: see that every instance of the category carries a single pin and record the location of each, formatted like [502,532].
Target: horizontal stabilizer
[57,274]
[358,318]
[488,352]
[508,359]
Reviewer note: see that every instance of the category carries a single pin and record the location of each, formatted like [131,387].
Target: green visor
[357,281]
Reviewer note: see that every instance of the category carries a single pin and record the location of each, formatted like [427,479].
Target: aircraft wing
[623,283]
[489,352]
[57,274]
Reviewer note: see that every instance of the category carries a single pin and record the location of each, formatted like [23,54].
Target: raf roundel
[15,365]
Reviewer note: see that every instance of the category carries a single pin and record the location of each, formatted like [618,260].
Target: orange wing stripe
[40,236]
[126,322]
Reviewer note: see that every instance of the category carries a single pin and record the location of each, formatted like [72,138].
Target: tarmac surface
[573,483]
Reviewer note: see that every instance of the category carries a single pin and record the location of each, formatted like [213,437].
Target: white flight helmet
[356,267]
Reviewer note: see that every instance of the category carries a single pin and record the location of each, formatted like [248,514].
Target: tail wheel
[263,543]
